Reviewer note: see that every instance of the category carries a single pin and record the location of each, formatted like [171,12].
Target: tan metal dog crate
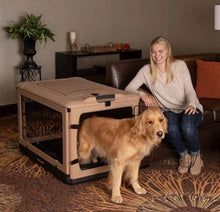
[50,114]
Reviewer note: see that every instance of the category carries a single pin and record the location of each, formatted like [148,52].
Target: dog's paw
[140,190]
[117,199]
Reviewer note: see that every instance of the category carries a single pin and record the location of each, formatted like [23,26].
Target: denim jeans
[183,133]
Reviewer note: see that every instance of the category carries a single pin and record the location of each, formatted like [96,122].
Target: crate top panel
[73,92]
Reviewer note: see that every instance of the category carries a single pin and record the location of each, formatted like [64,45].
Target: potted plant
[29,29]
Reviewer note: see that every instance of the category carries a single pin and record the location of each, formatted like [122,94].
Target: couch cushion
[208,75]
[191,62]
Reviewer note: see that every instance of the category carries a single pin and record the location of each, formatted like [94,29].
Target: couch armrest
[120,73]
[212,105]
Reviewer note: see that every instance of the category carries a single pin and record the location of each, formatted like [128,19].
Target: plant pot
[29,52]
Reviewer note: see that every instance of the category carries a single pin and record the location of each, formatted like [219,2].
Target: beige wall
[191,26]
[188,24]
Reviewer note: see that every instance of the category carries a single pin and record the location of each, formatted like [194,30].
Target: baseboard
[8,109]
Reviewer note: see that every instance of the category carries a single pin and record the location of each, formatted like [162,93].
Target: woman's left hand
[190,110]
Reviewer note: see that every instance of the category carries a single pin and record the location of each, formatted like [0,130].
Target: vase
[30,71]
[29,52]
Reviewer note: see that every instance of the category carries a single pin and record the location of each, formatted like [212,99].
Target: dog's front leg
[133,170]
[116,175]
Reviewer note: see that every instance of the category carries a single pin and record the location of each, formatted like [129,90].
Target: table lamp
[73,44]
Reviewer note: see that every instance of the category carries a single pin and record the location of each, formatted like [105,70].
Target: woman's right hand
[149,100]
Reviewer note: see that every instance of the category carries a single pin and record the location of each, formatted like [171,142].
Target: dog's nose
[159,133]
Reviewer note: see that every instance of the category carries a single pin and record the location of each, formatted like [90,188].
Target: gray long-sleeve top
[175,95]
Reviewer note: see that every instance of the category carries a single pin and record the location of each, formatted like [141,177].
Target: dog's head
[151,123]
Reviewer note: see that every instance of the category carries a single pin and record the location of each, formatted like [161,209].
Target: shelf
[66,64]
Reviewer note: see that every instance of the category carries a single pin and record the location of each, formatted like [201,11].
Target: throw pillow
[208,79]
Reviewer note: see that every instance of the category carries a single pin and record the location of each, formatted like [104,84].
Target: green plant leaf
[30,26]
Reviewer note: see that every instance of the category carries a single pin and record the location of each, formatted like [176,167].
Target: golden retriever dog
[124,143]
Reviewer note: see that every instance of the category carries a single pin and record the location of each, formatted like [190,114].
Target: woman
[170,83]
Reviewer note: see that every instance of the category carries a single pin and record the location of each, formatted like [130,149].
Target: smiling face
[159,53]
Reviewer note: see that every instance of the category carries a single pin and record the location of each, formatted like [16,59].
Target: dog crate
[50,114]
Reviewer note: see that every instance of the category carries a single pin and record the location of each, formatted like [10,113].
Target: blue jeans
[183,133]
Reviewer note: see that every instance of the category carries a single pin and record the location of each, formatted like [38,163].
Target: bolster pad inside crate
[50,115]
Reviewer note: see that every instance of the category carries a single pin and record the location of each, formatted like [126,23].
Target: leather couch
[120,73]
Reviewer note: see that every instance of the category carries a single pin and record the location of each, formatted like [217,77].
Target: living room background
[189,25]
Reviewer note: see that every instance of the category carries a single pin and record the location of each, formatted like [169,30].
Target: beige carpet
[25,186]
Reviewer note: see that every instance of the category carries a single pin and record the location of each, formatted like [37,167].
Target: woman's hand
[149,100]
[190,110]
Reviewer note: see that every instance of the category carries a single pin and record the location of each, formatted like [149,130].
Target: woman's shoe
[196,165]
[184,164]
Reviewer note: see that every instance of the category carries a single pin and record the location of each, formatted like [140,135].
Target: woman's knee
[192,120]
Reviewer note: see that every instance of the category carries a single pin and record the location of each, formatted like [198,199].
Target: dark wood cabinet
[66,64]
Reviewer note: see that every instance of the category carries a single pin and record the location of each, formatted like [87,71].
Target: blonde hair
[170,59]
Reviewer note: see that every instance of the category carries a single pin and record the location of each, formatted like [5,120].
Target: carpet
[26,187]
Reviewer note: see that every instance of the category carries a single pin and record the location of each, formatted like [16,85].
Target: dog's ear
[137,129]
[165,125]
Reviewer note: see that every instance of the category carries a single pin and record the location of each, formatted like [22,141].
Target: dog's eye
[160,120]
[149,122]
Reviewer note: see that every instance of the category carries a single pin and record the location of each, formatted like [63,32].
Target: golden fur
[124,143]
